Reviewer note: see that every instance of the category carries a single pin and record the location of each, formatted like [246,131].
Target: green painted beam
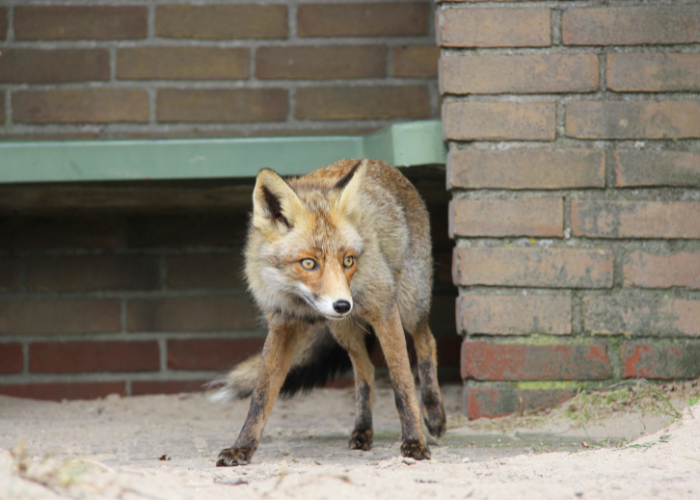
[406,144]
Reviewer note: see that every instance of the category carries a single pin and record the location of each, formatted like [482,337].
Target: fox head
[306,241]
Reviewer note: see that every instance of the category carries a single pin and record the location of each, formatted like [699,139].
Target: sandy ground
[164,447]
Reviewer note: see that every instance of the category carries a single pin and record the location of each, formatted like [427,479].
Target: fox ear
[351,184]
[274,202]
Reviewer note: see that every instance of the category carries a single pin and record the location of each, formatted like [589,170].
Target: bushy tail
[319,362]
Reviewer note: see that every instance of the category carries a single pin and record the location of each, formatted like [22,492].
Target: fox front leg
[275,363]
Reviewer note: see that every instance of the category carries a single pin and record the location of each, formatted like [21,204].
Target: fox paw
[434,418]
[234,456]
[361,440]
[415,450]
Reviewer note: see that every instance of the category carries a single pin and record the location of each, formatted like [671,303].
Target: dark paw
[434,418]
[361,440]
[415,450]
[234,456]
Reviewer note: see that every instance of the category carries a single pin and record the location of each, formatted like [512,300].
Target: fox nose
[342,306]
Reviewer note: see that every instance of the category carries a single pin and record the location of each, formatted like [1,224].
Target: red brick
[64,390]
[206,271]
[80,106]
[415,61]
[4,22]
[636,219]
[91,273]
[661,361]
[488,121]
[59,316]
[11,357]
[58,232]
[641,25]
[212,22]
[494,28]
[142,387]
[633,120]
[320,63]
[491,361]
[518,74]
[54,22]
[363,19]
[534,267]
[53,66]
[192,314]
[358,103]
[210,354]
[500,218]
[657,168]
[514,314]
[222,105]
[79,357]
[526,168]
[650,315]
[188,231]
[653,72]
[483,402]
[10,279]
[183,63]
[682,269]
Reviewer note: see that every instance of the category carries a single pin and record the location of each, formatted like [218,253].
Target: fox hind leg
[432,406]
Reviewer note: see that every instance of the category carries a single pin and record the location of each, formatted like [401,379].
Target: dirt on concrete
[165,447]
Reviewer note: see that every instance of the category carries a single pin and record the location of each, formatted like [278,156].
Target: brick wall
[574,167]
[152,68]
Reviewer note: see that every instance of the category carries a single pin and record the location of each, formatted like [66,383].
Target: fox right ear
[274,202]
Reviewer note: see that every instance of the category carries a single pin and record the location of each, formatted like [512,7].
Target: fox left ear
[351,184]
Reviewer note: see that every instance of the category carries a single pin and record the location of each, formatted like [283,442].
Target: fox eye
[308,264]
[349,261]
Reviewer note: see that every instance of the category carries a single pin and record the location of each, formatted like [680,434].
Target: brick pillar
[574,167]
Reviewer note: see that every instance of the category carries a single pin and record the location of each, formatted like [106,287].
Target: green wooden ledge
[402,145]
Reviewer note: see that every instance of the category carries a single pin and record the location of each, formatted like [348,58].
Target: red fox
[330,257]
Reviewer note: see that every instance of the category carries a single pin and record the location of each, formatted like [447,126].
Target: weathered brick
[415,61]
[143,387]
[10,278]
[80,106]
[494,28]
[206,271]
[363,19]
[189,231]
[54,66]
[682,269]
[488,121]
[210,354]
[631,25]
[635,219]
[533,267]
[484,402]
[79,357]
[518,74]
[222,105]
[653,72]
[631,315]
[211,22]
[59,316]
[526,168]
[657,168]
[499,218]
[57,232]
[183,63]
[492,361]
[319,63]
[91,273]
[4,22]
[191,314]
[357,103]
[58,391]
[633,120]
[514,315]
[54,22]
[680,360]
[11,357]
